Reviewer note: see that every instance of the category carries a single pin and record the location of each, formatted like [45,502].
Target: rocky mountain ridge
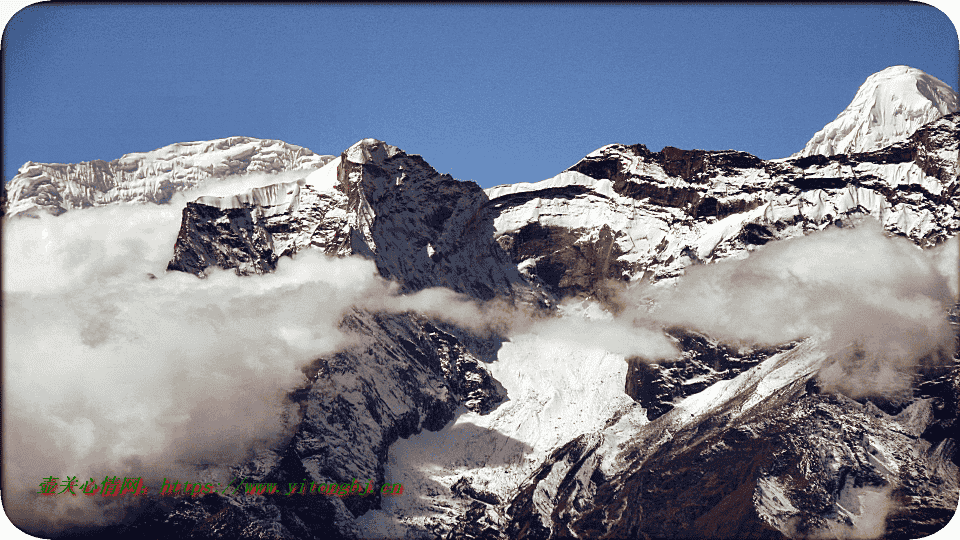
[148,177]
[661,211]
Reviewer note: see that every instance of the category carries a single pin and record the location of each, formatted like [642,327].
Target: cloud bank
[879,302]
[107,371]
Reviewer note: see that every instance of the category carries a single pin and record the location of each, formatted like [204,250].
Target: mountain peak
[889,106]
[370,151]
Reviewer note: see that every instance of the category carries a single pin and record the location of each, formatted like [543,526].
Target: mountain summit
[889,106]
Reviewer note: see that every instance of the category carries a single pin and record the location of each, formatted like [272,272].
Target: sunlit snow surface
[276,198]
[325,178]
[556,391]
[660,239]
[154,176]
[888,107]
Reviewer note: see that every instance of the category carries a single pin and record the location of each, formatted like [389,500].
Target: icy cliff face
[148,177]
[249,231]
[888,108]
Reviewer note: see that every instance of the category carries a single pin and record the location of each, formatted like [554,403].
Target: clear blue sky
[494,94]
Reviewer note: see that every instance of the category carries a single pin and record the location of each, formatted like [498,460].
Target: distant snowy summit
[149,177]
[889,106]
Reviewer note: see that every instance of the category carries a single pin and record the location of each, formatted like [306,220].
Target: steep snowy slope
[556,390]
[888,108]
[153,176]
[764,455]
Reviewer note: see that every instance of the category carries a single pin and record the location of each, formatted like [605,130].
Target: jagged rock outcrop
[148,177]
[421,228]
[702,362]
[248,232]
[658,212]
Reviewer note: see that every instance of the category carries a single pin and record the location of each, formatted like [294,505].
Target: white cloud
[104,365]
[881,302]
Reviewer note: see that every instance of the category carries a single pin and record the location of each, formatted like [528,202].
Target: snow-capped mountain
[658,212]
[764,454]
[888,108]
[533,437]
[661,211]
[148,177]
[548,462]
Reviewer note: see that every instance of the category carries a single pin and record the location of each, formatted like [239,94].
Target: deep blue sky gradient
[494,94]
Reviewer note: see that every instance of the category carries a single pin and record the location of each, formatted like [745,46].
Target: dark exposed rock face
[250,238]
[479,522]
[422,229]
[463,371]
[695,167]
[410,358]
[242,242]
[567,265]
[567,464]
[702,362]
[624,213]
[463,488]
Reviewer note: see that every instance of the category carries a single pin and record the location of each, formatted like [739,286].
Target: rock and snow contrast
[888,108]
[564,418]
